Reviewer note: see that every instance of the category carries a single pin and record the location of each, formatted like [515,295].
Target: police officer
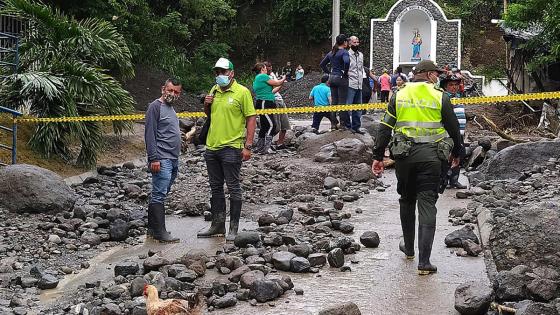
[426,135]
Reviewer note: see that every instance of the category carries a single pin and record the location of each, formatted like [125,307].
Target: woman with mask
[339,60]
[265,99]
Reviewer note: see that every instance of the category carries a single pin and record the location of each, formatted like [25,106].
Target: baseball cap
[427,65]
[223,63]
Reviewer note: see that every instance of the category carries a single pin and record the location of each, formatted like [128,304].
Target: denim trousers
[162,180]
[339,90]
[224,165]
[355,97]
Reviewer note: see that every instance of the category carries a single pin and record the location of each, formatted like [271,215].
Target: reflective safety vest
[418,108]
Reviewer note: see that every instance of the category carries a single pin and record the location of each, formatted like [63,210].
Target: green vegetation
[64,71]
[538,16]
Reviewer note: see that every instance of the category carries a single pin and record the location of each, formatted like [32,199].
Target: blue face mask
[222,80]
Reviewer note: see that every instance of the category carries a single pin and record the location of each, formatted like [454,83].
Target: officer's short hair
[325,78]
[173,81]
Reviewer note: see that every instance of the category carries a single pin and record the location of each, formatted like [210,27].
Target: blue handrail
[13,130]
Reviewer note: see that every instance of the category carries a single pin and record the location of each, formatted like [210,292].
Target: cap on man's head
[426,66]
[223,63]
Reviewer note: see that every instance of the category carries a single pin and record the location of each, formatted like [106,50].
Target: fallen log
[500,132]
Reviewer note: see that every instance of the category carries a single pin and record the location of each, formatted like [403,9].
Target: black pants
[418,177]
[317,117]
[268,122]
[224,165]
[384,96]
[339,92]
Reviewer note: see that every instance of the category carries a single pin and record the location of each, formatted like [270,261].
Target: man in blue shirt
[321,97]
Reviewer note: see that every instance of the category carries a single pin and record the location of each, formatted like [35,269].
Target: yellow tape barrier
[301,110]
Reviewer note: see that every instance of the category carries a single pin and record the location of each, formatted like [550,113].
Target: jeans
[355,97]
[162,180]
[339,90]
[224,165]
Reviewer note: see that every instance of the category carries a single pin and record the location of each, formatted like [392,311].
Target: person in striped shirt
[451,83]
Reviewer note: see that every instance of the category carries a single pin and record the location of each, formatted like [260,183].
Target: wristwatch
[249,146]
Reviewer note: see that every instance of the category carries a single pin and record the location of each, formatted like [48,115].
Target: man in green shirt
[230,107]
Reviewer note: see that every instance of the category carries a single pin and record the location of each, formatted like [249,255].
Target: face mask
[355,48]
[170,98]
[222,80]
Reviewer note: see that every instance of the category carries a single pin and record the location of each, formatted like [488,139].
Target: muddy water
[382,282]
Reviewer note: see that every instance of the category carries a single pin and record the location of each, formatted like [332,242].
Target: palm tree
[68,68]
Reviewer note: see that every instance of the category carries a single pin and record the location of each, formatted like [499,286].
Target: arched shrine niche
[415,35]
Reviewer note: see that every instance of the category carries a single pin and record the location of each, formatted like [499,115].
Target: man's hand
[377,168]
[155,166]
[454,161]
[246,154]
[208,100]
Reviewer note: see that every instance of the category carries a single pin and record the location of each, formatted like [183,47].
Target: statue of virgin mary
[416,44]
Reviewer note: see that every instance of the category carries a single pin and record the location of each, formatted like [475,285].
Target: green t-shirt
[263,90]
[229,111]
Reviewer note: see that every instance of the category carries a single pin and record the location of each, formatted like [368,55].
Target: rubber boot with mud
[408,224]
[160,233]
[425,240]
[218,226]
[151,220]
[259,146]
[234,215]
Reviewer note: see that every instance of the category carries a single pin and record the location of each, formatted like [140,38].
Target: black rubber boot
[425,240]
[454,182]
[408,224]
[160,234]
[151,220]
[218,226]
[234,215]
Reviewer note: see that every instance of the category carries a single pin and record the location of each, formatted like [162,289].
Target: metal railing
[12,130]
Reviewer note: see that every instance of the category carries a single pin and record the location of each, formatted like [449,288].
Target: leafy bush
[64,72]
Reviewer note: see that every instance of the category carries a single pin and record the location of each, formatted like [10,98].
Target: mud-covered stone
[473,298]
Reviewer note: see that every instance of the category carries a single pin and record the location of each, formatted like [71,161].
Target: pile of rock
[518,212]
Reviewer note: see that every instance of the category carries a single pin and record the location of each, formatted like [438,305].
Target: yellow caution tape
[303,110]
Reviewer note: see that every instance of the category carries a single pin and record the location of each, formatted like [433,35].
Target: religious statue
[416,44]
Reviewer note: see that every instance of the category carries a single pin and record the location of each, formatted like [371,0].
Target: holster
[400,146]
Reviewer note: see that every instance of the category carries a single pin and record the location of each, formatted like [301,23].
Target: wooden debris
[500,132]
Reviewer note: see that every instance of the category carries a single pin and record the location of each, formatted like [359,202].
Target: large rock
[473,298]
[264,290]
[347,149]
[543,289]
[336,258]
[348,308]
[300,264]
[249,277]
[456,238]
[47,281]
[361,173]
[28,188]
[370,239]
[512,161]
[245,238]
[528,307]
[126,268]
[118,230]
[282,260]
[510,286]
[227,300]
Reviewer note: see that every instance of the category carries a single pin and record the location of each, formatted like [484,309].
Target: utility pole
[336,20]
[505,6]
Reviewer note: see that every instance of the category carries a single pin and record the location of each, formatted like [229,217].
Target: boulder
[266,219]
[118,230]
[512,161]
[510,286]
[543,289]
[361,173]
[227,300]
[317,259]
[28,188]
[90,238]
[282,260]
[472,248]
[47,281]
[299,264]
[473,298]
[264,290]
[249,277]
[245,238]
[336,258]
[331,182]
[348,308]
[154,263]
[528,307]
[456,238]
[370,239]
[126,268]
